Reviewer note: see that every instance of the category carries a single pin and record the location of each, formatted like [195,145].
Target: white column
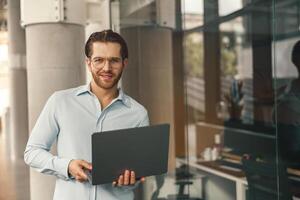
[55,60]
[18,97]
[18,82]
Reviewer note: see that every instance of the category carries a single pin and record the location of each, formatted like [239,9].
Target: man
[288,109]
[287,116]
[71,116]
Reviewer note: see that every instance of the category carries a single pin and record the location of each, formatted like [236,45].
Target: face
[106,64]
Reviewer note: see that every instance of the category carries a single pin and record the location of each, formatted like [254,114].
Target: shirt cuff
[62,168]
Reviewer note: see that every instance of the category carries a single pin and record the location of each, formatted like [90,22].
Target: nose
[106,66]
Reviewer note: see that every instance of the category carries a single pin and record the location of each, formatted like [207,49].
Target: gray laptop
[144,150]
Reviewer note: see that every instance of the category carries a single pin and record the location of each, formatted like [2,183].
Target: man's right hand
[77,167]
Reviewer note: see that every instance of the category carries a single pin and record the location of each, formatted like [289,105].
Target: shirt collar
[121,97]
[83,89]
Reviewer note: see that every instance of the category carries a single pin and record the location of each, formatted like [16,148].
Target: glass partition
[235,128]
[286,75]
[220,72]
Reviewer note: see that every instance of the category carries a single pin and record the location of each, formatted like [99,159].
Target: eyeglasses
[99,62]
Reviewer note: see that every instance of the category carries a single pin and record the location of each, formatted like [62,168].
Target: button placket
[101,114]
[98,109]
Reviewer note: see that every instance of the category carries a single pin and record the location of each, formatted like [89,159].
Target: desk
[236,176]
[209,167]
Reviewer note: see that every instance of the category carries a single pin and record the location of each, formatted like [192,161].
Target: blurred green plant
[228,55]
[193,55]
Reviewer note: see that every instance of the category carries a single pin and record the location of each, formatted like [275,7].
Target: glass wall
[286,51]
[221,74]
[233,83]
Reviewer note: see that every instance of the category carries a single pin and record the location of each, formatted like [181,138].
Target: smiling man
[71,116]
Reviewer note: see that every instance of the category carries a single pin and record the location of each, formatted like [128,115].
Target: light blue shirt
[70,117]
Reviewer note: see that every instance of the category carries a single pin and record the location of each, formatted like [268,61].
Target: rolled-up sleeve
[42,136]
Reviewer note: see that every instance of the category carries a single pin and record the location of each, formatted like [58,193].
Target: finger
[132,178]
[121,180]
[126,177]
[86,165]
[79,178]
[114,183]
[81,175]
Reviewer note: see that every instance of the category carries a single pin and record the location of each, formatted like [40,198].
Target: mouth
[106,77]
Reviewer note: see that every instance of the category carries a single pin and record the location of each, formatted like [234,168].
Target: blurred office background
[219,71]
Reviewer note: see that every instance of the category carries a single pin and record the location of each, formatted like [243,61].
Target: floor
[14,175]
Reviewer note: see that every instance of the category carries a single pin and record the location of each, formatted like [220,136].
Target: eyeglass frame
[110,61]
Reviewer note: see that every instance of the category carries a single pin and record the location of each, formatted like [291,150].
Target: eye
[115,60]
[99,60]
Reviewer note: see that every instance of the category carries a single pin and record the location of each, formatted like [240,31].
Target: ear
[88,63]
[125,62]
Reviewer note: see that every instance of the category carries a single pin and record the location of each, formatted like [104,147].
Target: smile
[106,76]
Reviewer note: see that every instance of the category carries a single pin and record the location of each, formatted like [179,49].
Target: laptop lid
[143,149]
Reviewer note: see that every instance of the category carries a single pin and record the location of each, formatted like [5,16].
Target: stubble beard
[104,85]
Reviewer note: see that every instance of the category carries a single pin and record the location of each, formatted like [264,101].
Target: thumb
[86,165]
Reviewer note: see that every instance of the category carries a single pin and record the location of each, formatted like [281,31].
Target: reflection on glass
[286,110]
[287,19]
[242,73]
[235,70]
[287,114]
[192,13]
[193,63]
[194,83]
[229,6]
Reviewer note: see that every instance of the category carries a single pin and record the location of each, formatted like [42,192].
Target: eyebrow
[105,57]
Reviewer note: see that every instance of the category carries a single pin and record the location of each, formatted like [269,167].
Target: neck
[105,96]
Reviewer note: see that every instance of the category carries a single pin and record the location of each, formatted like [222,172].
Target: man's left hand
[127,179]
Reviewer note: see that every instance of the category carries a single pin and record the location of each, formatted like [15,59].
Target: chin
[105,85]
